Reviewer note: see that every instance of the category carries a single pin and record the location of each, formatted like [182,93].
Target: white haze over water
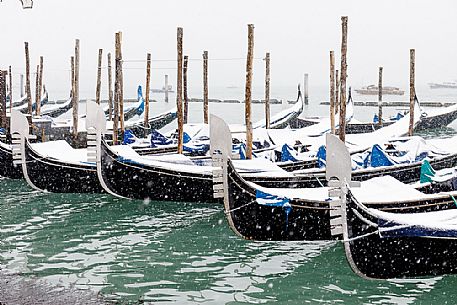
[298,34]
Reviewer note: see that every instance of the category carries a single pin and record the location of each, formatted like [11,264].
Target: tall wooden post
[74,103]
[11,88]
[412,89]
[21,84]
[267,90]
[186,101]
[120,80]
[305,85]
[337,91]
[37,91]
[117,85]
[380,97]
[205,87]
[332,92]
[166,88]
[99,76]
[247,97]
[76,91]
[40,85]
[179,91]
[3,122]
[116,100]
[342,128]
[28,91]
[110,89]
[148,89]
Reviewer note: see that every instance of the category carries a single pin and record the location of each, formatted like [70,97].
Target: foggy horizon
[298,35]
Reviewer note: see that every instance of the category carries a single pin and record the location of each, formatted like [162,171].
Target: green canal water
[163,252]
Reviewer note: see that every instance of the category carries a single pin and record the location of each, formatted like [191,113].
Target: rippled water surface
[166,252]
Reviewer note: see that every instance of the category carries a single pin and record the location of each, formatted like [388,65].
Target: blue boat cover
[159,139]
[288,153]
[321,156]
[266,199]
[140,108]
[129,137]
[377,157]
[186,138]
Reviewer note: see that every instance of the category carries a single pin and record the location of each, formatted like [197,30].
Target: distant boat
[445,85]
[170,89]
[373,90]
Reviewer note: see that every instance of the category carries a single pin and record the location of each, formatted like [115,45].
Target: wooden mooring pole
[110,89]
[166,88]
[40,85]
[120,80]
[37,91]
[28,91]
[186,100]
[116,88]
[305,88]
[412,89]
[11,88]
[332,92]
[3,122]
[179,90]
[205,87]
[342,128]
[337,91]
[76,91]
[99,76]
[267,90]
[74,103]
[148,89]
[380,97]
[21,85]
[248,96]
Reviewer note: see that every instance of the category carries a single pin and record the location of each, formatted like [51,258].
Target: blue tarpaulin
[377,157]
[287,153]
[129,137]
[321,156]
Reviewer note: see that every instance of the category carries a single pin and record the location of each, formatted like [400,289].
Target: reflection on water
[169,252]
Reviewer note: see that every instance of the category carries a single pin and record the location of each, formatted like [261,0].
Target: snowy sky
[298,34]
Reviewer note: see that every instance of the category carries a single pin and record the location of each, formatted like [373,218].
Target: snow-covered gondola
[57,109]
[142,178]
[384,245]
[437,118]
[44,100]
[259,213]
[19,102]
[285,117]
[52,166]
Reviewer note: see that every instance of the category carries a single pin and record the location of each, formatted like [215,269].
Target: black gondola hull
[7,168]
[139,181]
[397,257]
[55,176]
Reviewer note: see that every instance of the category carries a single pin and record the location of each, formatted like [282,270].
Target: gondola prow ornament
[338,174]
